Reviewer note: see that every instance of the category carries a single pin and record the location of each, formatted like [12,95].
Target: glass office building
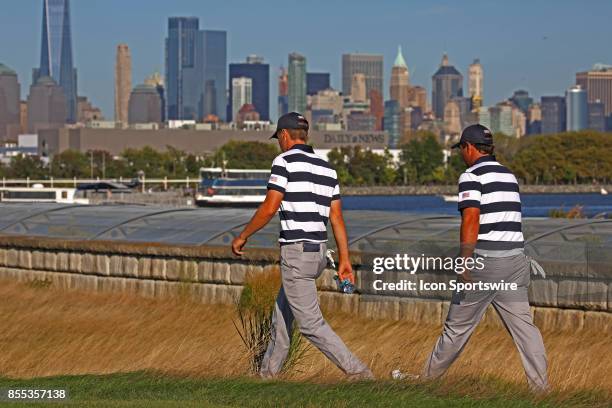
[553,114]
[56,52]
[297,83]
[316,81]
[259,73]
[577,109]
[182,72]
[195,70]
[214,68]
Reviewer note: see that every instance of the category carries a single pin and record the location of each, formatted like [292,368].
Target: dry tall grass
[253,324]
[50,332]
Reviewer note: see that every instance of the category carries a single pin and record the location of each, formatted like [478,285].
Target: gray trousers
[467,309]
[297,299]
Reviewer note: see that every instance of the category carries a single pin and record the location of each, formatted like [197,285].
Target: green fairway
[141,389]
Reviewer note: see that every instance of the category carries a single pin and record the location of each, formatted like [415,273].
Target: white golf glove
[536,268]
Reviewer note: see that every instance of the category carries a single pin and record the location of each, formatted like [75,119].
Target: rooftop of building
[46,80]
[5,70]
[447,70]
[399,59]
[145,88]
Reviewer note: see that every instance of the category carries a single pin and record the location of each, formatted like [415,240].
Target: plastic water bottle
[345,285]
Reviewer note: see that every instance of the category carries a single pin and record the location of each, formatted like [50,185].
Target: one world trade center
[56,52]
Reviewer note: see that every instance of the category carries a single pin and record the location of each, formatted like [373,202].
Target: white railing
[51,182]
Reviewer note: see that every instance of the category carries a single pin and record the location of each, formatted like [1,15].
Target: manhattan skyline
[538,47]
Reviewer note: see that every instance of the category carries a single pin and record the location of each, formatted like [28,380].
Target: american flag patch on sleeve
[273,179]
[465,194]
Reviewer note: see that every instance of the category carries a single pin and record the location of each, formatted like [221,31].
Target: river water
[534,205]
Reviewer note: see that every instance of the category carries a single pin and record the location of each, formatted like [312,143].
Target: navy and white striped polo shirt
[493,189]
[309,185]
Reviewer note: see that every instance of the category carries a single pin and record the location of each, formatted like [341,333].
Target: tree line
[565,158]
[171,163]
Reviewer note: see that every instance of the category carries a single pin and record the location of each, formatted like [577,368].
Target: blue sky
[535,45]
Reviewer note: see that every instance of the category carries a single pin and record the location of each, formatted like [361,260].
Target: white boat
[232,187]
[603,191]
[40,194]
[450,198]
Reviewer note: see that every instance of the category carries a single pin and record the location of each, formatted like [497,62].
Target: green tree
[454,167]
[148,160]
[505,147]
[339,159]
[362,167]
[576,157]
[419,159]
[103,163]
[193,164]
[246,155]
[69,164]
[23,166]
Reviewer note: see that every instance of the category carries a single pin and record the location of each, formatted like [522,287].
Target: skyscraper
[597,119]
[56,52]
[297,83]
[418,98]
[598,85]
[123,83]
[183,75]
[9,104]
[214,65]
[476,83]
[47,107]
[283,91]
[399,89]
[391,122]
[242,94]
[522,100]
[452,118]
[465,109]
[577,109]
[157,81]
[534,119]
[358,88]
[316,81]
[88,112]
[144,105]
[503,118]
[368,64]
[377,107]
[484,117]
[553,114]
[447,82]
[195,70]
[259,73]
[23,117]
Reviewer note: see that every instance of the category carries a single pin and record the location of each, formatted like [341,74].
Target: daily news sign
[329,140]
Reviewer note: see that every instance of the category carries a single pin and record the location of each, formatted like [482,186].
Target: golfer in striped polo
[305,188]
[490,207]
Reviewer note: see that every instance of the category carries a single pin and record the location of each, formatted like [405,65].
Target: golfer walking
[490,207]
[305,188]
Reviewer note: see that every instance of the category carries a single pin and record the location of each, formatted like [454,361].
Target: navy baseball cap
[475,134]
[291,120]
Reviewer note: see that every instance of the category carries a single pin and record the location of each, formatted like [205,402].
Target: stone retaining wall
[213,275]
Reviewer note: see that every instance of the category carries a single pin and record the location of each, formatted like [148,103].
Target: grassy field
[176,352]
[143,389]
